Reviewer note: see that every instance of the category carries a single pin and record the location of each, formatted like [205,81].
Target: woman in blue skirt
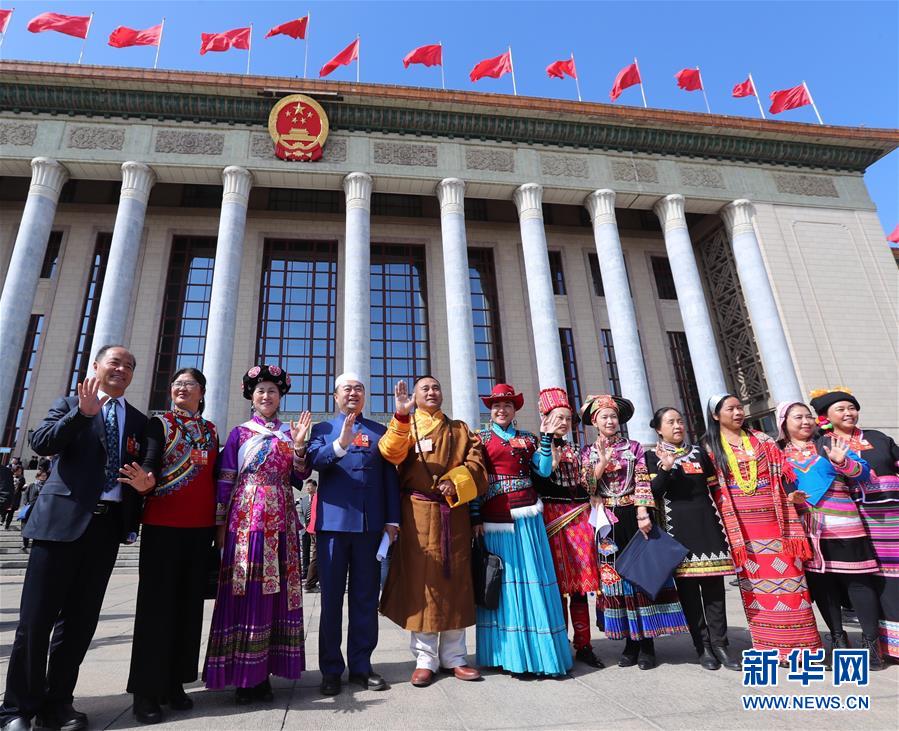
[526,633]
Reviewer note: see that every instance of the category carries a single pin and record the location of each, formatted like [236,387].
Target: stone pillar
[766,324]
[550,370]
[124,253]
[357,277]
[622,316]
[222,322]
[47,179]
[459,325]
[691,298]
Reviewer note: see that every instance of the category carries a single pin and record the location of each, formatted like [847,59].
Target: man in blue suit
[358,502]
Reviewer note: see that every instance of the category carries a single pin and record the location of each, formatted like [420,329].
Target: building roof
[28,87]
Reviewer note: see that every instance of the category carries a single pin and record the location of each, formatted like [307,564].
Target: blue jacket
[359,491]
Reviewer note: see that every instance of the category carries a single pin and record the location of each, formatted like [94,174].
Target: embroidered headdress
[258,374]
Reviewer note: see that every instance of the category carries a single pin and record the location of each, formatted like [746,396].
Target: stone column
[357,277]
[691,298]
[124,253]
[766,324]
[550,371]
[47,179]
[622,316]
[220,328]
[459,325]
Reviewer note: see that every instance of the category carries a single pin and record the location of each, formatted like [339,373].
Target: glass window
[51,257]
[201,196]
[572,382]
[19,400]
[85,337]
[596,276]
[686,384]
[392,204]
[485,318]
[305,201]
[608,350]
[302,339]
[555,271]
[185,312]
[661,270]
[399,321]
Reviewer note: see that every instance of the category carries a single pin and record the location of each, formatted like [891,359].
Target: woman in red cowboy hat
[526,633]
[566,513]
[614,471]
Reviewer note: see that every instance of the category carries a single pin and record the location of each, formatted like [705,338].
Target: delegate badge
[691,468]
[360,440]
[199,457]
[299,127]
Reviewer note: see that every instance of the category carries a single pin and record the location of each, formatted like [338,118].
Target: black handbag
[487,575]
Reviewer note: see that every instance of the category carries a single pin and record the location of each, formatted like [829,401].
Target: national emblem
[299,127]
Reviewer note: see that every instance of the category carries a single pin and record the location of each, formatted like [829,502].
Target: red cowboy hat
[503,392]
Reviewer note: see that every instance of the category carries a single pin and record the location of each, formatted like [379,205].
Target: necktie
[112,447]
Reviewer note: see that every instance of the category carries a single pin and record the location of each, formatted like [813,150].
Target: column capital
[529,200]
[738,217]
[601,206]
[357,187]
[237,182]
[671,212]
[47,178]
[137,181]
[451,194]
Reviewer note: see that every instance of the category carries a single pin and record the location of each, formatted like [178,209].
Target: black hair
[314,482]
[656,422]
[103,348]
[421,378]
[711,440]
[198,377]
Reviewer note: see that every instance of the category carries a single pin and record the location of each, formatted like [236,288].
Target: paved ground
[676,695]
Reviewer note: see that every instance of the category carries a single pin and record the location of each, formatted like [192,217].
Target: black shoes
[369,681]
[330,685]
[16,724]
[178,700]
[629,656]
[731,663]
[262,692]
[588,657]
[146,709]
[707,659]
[875,659]
[646,659]
[63,718]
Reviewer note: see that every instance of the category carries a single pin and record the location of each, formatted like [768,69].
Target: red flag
[123,37]
[71,25]
[744,88]
[344,58]
[293,28]
[5,15]
[628,76]
[558,69]
[789,99]
[235,38]
[893,238]
[427,55]
[492,67]
[689,80]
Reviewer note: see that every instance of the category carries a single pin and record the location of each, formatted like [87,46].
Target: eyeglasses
[185,384]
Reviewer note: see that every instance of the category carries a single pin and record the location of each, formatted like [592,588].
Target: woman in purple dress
[257,624]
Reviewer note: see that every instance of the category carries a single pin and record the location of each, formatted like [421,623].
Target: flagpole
[306,43]
[645,105]
[442,77]
[249,49]
[757,98]
[577,84]
[86,34]
[512,67]
[159,45]
[820,121]
[358,56]
[702,86]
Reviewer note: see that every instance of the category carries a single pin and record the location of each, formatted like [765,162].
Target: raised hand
[556,423]
[797,497]
[89,401]
[546,424]
[605,456]
[838,450]
[299,429]
[346,432]
[403,400]
[666,458]
[133,474]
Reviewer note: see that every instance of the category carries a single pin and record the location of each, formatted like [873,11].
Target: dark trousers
[307,548]
[340,553]
[168,619]
[64,586]
[10,514]
[702,599]
[862,589]
[312,568]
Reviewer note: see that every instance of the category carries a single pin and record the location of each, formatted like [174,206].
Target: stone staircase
[13,562]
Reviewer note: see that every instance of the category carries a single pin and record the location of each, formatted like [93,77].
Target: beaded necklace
[747,487]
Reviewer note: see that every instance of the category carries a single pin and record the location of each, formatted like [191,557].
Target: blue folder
[649,563]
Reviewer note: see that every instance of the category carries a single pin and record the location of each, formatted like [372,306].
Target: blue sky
[846,51]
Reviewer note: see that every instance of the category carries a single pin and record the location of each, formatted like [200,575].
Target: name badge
[691,468]
[360,440]
[199,457]
[865,444]
[519,442]
[132,446]
[423,446]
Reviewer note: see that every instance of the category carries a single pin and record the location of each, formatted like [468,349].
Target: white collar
[119,400]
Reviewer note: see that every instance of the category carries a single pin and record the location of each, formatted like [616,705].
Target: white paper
[600,521]
[382,549]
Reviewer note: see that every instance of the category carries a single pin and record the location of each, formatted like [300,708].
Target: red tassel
[739,555]
[797,547]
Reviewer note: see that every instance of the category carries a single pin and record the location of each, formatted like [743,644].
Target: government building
[664,256]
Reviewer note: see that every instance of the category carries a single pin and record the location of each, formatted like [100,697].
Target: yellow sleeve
[466,489]
[394,445]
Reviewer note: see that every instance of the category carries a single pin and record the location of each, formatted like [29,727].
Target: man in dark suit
[358,502]
[90,503]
